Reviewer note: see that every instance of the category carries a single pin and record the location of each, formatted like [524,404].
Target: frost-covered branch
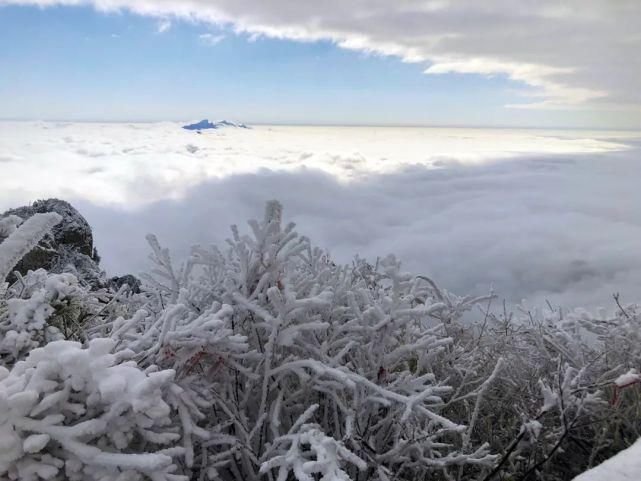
[21,240]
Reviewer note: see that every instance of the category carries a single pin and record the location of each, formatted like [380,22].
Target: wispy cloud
[210,38]
[163,26]
[586,52]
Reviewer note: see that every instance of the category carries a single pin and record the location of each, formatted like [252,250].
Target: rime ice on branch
[267,361]
[21,240]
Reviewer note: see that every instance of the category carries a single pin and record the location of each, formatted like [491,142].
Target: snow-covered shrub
[288,366]
[260,333]
[40,308]
[558,411]
[68,413]
[306,450]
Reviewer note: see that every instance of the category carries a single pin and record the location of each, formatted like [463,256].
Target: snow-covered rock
[69,246]
[22,238]
[73,231]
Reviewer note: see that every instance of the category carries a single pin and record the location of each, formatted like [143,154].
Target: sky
[359,62]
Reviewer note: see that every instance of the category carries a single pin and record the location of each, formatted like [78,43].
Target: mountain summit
[206,124]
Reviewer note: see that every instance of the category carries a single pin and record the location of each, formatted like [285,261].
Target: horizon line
[328,124]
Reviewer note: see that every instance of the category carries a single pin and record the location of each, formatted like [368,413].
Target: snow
[43,396]
[23,239]
[550,398]
[624,466]
[8,225]
[311,452]
[35,443]
[630,377]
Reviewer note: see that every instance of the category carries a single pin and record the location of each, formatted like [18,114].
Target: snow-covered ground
[536,214]
[625,466]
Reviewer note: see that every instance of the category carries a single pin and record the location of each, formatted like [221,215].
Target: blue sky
[74,63]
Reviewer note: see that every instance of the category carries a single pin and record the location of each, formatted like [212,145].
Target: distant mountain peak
[206,124]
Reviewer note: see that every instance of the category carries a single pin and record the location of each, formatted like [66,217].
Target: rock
[74,231]
[132,281]
[69,247]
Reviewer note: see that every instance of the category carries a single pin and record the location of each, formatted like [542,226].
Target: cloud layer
[577,53]
[538,215]
[551,228]
[135,164]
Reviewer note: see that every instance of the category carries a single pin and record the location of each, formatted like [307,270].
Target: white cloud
[211,39]
[552,228]
[143,163]
[163,26]
[543,215]
[554,93]
[580,52]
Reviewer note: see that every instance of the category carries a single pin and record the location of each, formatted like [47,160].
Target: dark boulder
[134,284]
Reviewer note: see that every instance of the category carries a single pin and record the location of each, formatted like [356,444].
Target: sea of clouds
[537,215]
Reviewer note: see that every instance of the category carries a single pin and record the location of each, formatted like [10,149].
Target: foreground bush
[84,414]
[268,361]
